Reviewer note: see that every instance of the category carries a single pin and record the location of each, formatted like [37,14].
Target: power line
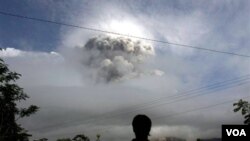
[191,95]
[176,98]
[179,99]
[200,108]
[192,91]
[102,130]
[183,96]
[188,111]
[120,34]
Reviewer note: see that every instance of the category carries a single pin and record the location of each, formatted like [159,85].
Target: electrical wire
[109,116]
[120,34]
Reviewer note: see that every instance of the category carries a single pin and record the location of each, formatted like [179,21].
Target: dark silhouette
[244,107]
[10,96]
[141,126]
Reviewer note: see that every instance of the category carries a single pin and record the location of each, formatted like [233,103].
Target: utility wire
[137,37]
[170,102]
[185,112]
[110,115]
[197,109]
[189,92]
[120,34]
[173,98]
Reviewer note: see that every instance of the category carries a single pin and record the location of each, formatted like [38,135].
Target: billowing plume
[117,58]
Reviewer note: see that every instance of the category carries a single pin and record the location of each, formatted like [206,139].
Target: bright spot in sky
[126,27]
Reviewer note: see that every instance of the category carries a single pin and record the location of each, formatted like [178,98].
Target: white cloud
[59,83]
[10,52]
[40,68]
[67,98]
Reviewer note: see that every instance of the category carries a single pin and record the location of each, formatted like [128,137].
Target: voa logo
[236,132]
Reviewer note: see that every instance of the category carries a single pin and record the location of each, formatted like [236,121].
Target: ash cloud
[117,58]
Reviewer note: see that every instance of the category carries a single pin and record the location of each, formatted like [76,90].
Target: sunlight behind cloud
[126,27]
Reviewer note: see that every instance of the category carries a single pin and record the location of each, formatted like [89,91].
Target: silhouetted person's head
[141,126]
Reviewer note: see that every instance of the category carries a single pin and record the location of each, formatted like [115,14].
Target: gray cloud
[195,23]
[117,58]
[66,104]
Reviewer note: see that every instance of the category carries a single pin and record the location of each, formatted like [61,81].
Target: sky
[83,86]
